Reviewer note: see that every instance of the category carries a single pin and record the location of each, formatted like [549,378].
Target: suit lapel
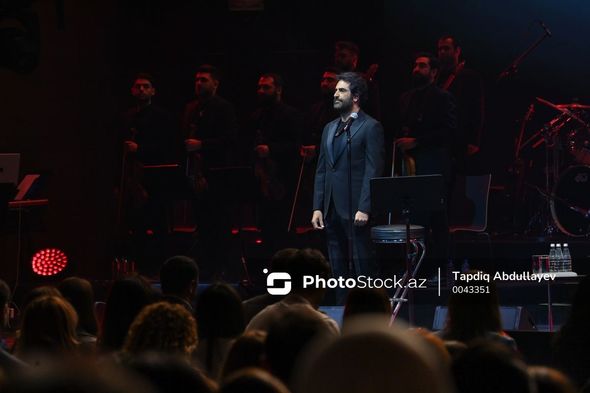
[330,141]
[354,128]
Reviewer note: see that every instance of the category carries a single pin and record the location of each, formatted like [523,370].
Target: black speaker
[513,318]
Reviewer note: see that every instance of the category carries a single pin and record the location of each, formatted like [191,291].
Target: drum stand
[549,135]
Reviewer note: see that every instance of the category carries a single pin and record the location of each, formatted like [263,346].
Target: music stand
[407,194]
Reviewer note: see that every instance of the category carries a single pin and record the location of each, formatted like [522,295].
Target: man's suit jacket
[331,179]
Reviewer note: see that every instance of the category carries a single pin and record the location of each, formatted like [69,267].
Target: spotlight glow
[49,262]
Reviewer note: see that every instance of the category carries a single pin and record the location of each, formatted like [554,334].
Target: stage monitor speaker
[513,318]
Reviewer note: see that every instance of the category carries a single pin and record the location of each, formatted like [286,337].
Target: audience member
[490,367]
[549,380]
[373,357]
[246,351]
[48,329]
[79,293]
[8,362]
[475,315]
[366,301]
[306,262]
[75,376]
[290,336]
[179,277]
[127,297]
[37,292]
[278,263]
[162,327]
[171,374]
[253,380]
[572,343]
[221,321]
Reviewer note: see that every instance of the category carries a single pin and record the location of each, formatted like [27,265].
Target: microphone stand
[350,212]
[513,68]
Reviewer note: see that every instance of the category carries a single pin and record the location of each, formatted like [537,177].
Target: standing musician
[346,59]
[319,114]
[150,138]
[331,191]
[275,129]
[210,128]
[466,86]
[428,124]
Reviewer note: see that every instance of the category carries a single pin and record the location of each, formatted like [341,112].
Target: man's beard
[419,80]
[266,100]
[345,106]
[204,94]
[446,63]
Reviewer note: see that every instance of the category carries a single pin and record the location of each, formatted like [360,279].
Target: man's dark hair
[177,273]
[280,260]
[487,366]
[211,70]
[146,76]
[331,69]
[432,59]
[307,262]
[348,45]
[452,38]
[276,78]
[358,85]
[287,338]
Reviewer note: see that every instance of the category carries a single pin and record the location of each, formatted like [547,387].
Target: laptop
[9,166]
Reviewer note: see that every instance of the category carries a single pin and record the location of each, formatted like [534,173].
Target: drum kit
[567,176]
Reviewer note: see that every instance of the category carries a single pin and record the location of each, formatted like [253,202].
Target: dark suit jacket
[214,122]
[428,114]
[331,179]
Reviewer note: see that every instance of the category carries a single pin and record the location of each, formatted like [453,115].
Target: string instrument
[266,171]
[132,193]
[195,164]
[451,78]
[408,161]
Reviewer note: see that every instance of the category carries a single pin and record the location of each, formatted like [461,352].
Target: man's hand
[193,144]
[317,220]
[309,152]
[130,146]
[262,151]
[361,219]
[406,143]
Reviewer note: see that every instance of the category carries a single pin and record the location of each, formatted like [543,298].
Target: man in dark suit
[331,197]
[428,125]
[466,85]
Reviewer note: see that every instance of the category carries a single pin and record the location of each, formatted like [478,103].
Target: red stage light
[49,262]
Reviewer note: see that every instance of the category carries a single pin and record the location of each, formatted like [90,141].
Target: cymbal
[563,110]
[573,105]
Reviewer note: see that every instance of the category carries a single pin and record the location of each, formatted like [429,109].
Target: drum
[578,144]
[570,202]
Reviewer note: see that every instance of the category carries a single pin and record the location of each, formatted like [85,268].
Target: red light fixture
[49,262]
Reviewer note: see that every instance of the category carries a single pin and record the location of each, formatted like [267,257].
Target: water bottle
[567,258]
[552,258]
[450,277]
[558,257]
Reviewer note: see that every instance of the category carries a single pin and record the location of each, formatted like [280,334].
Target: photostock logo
[283,281]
